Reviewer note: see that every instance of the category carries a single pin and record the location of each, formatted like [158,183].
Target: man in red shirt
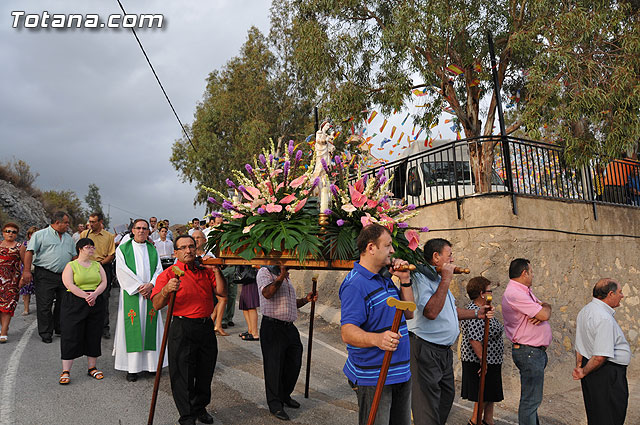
[193,348]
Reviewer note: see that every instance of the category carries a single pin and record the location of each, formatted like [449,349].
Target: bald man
[602,356]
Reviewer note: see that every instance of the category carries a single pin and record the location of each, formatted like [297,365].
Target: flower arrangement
[272,208]
[364,201]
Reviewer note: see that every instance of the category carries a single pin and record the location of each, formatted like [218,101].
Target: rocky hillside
[18,206]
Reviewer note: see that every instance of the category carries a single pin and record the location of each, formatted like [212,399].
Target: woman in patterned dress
[11,259]
[28,289]
[471,352]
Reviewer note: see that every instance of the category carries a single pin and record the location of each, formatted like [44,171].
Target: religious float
[306,212]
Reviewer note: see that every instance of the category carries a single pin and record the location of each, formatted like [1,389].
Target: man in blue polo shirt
[432,333]
[366,320]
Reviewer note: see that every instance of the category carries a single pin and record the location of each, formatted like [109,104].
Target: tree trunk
[481,158]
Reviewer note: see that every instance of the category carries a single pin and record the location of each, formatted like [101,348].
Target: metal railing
[538,169]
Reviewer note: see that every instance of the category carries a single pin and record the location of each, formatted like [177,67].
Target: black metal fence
[538,169]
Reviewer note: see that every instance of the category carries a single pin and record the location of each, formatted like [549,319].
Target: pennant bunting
[477,67]
[373,115]
[418,135]
[383,126]
[474,83]
[400,138]
[419,93]
[405,118]
[455,69]
[393,131]
[414,130]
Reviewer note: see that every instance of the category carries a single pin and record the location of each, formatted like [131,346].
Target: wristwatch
[406,285]
[477,313]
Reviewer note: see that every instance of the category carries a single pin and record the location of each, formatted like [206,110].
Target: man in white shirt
[195,225]
[602,356]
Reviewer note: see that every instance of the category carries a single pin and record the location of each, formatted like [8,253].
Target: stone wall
[566,266]
[18,206]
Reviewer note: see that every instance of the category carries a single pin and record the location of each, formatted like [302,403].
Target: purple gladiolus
[338,161]
[290,147]
[340,222]
[385,198]
[271,159]
[248,168]
[227,205]
[216,214]
[213,200]
[334,190]
[380,172]
[324,165]
[230,183]
[262,159]
[383,179]
[261,210]
[286,167]
[424,229]
[403,225]
[411,207]
[315,183]
[298,156]
[328,212]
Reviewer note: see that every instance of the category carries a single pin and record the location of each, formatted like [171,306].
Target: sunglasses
[15,232]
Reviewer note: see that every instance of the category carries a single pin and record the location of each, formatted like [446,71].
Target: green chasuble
[131,305]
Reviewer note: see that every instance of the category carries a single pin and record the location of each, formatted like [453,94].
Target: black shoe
[106,334]
[224,326]
[47,339]
[132,377]
[292,403]
[281,414]
[205,418]
[230,323]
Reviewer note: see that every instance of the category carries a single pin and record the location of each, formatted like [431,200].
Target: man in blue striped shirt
[366,321]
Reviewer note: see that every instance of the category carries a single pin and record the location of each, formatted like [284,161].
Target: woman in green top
[82,311]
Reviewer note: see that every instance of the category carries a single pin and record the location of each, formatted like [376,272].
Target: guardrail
[537,169]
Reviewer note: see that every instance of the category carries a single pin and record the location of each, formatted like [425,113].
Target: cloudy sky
[82,106]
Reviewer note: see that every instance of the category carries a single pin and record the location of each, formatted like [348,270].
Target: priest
[139,329]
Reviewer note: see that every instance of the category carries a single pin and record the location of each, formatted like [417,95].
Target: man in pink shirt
[526,324]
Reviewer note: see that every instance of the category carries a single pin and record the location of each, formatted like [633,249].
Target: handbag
[245,275]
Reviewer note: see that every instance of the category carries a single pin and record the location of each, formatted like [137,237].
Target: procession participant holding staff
[139,327]
[433,331]
[364,318]
[279,338]
[82,311]
[478,289]
[193,349]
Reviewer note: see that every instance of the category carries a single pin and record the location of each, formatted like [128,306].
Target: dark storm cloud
[82,106]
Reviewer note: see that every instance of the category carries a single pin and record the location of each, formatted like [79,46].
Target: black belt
[278,321]
[47,270]
[200,320]
[518,345]
[433,344]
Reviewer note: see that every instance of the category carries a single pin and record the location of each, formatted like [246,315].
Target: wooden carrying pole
[483,362]
[400,306]
[163,347]
[314,279]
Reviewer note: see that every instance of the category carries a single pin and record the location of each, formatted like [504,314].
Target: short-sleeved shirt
[518,306]
[51,251]
[473,330]
[363,297]
[444,329]
[282,305]
[598,334]
[86,278]
[104,242]
[165,248]
[194,299]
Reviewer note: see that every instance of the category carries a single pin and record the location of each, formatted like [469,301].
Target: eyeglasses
[89,247]
[15,232]
[140,228]
[488,290]
[189,247]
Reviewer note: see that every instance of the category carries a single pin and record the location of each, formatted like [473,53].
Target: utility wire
[507,226]
[123,210]
[158,80]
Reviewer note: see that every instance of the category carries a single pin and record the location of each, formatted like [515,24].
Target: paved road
[31,395]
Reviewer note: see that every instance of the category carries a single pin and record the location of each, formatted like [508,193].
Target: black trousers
[606,394]
[81,327]
[193,351]
[432,384]
[282,360]
[108,271]
[49,288]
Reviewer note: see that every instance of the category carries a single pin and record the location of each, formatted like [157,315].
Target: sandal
[64,377]
[95,373]
[249,337]
[221,332]
[243,334]
[3,339]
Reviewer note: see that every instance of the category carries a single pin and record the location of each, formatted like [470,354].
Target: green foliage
[65,200]
[252,99]
[18,173]
[94,202]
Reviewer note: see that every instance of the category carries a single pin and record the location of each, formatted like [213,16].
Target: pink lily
[389,221]
[413,237]
[273,208]
[348,208]
[280,186]
[248,228]
[237,215]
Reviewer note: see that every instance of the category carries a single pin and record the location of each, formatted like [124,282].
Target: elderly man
[104,253]
[526,324]
[193,348]
[365,322]
[76,235]
[53,248]
[432,333]
[139,327]
[279,338]
[602,356]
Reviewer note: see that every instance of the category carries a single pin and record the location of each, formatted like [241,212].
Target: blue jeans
[531,362]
